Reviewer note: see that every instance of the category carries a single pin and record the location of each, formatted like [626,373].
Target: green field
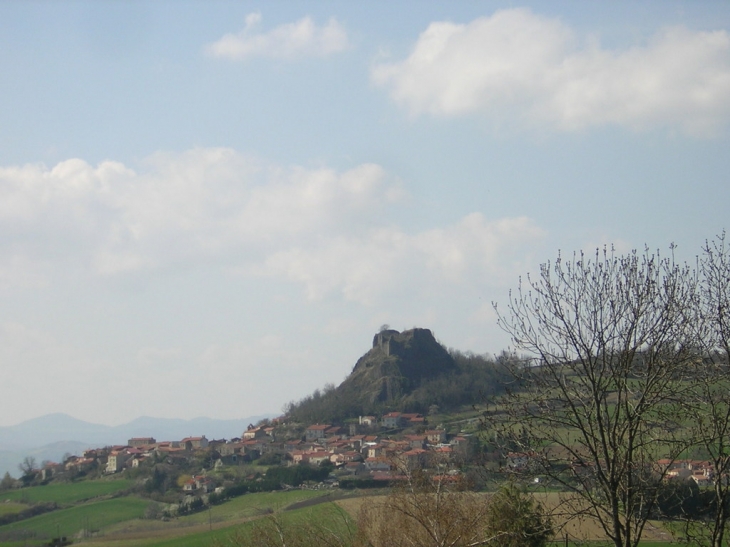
[93,516]
[324,513]
[119,521]
[9,508]
[67,493]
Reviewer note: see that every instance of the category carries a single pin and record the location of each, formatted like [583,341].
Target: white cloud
[537,69]
[365,268]
[203,205]
[328,231]
[302,38]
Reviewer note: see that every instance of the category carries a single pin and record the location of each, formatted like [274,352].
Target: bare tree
[439,511]
[28,466]
[599,401]
[709,409]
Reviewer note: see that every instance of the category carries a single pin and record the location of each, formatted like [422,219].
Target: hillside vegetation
[408,372]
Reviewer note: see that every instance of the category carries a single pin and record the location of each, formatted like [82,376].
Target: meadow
[66,493]
[119,521]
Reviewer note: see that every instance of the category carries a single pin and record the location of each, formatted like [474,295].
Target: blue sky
[208,209]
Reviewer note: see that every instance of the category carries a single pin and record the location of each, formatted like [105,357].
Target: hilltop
[407,371]
[396,365]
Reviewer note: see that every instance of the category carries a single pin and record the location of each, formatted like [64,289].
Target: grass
[68,522]
[120,525]
[226,520]
[10,508]
[64,494]
[237,509]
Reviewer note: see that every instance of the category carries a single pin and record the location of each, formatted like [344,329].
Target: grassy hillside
[65,493]
[87,516]
[74,520]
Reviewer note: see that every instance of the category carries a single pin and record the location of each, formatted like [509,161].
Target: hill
[407,371]
[396,365]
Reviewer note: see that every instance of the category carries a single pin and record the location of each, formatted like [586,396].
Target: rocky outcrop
[396,365]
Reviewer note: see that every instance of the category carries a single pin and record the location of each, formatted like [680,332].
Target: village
[371,448]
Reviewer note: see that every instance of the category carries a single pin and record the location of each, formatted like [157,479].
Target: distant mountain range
[51,436]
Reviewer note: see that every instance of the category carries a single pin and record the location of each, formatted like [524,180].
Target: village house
[79,464]
[194,443]
[412,419]
[141,441]
[436,436]
[230,453]
[316,458]
[416,441]
[379,450]
[377,464]
[356,442]
[50,470]
[413,458]
[292,445]
[391,420]
[345,457]
[200,483]
[254,433]
[116,460]
[316,432]
[137,460]
[356,468]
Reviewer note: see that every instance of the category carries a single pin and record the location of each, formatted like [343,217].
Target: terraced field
[88,515]
[67,493]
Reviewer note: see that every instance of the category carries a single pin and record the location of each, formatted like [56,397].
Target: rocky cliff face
[396,365]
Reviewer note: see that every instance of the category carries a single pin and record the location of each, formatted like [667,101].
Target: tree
[515,519]
[28,469]
[439,511]
[610,342]
[7,483]
[709,407]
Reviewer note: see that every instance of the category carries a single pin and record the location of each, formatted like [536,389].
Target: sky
[210,208]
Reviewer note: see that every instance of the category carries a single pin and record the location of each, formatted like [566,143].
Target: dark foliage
[274,479]
[297,474]
[162,479]
[471,381]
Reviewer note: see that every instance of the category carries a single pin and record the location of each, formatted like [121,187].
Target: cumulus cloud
[302,38]
[329,231]
[204,204]
[362,269]
[538,69]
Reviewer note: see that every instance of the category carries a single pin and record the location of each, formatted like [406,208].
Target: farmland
[119,520]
